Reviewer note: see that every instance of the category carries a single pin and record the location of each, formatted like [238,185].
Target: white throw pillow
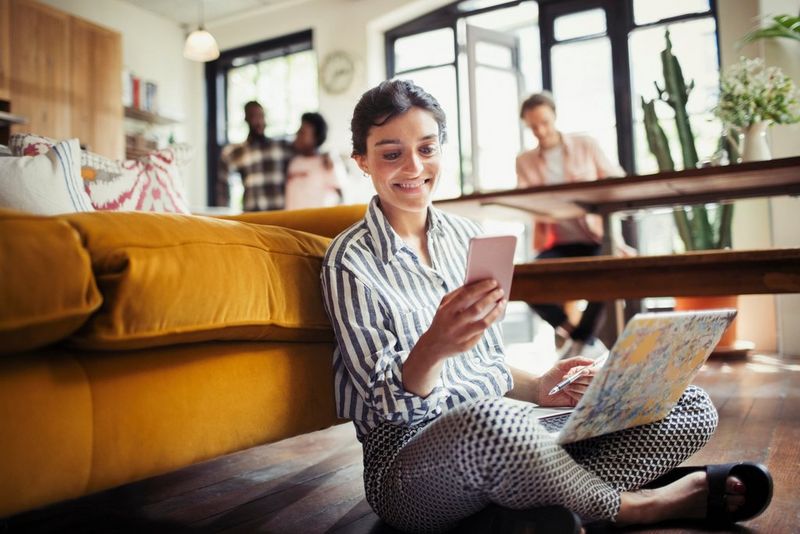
[48,184]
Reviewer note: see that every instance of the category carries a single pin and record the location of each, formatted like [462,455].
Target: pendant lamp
[201,45]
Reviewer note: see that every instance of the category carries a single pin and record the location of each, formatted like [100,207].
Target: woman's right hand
[460,321]
[463,316]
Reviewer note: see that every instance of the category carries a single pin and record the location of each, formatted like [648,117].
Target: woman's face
[305,141]
[403,157]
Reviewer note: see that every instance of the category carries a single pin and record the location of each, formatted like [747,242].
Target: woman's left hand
[570,395]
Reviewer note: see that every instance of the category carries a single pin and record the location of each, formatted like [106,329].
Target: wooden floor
[312,483]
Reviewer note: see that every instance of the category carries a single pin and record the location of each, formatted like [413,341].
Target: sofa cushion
[168,278]
[47,288]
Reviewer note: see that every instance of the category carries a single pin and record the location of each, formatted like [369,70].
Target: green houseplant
[752,97]
[702,226]
[785,26]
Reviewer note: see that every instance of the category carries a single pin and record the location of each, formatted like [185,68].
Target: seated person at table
[419,367]
[565,158]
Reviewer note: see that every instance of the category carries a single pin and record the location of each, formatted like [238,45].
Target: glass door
[495,84]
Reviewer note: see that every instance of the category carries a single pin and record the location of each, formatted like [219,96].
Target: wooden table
[604,197]
[605,278]
[715,272]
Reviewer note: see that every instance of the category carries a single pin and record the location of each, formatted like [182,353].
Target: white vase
[755,142]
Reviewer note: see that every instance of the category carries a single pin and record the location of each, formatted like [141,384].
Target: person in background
[313,179]
[565,158]
[260,161]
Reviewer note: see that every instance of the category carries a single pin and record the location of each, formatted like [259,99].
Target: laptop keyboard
[554,423]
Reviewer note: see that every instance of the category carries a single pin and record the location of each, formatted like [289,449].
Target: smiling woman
[419,364]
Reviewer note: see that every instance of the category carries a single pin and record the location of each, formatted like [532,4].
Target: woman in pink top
[564,158]
[312,179]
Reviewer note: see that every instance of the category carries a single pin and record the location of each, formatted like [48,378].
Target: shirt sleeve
[605,167]
[527,173]
[369,351]
[222,185]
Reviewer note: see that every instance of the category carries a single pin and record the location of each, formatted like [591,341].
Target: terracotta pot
[728,340]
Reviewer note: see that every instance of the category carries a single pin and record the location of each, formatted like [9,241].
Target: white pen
[569,380]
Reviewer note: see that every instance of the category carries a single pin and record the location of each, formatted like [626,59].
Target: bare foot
[685,498]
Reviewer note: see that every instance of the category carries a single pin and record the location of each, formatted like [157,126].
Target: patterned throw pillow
[46,184]
[26,144]
[150,183]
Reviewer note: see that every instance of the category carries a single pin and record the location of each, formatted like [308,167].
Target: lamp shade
[200,46]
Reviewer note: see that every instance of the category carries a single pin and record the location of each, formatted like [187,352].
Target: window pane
[646,11]
[510,19]
[494,55]
[474,5]
[694,43]
[285,86]
[441,83]
[424,49]
[530,58]
[584,91]
[498,128]
[241,89]
[591,22]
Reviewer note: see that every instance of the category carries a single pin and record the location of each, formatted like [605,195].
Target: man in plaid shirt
[260,161]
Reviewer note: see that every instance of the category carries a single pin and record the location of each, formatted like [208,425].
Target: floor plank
[313,483]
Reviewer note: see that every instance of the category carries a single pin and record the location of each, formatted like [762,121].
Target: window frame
[619,26]
[216,90]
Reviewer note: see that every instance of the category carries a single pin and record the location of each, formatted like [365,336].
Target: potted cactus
[703,226]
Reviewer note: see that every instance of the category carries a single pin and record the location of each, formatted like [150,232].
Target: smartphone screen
[491,257]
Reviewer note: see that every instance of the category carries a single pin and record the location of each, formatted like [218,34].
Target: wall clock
[336,73]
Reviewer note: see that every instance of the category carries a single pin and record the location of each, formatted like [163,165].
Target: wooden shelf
[10,118]
[146,116]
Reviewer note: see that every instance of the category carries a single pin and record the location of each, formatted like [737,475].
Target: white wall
[785,141]
[764,223]
[152,48]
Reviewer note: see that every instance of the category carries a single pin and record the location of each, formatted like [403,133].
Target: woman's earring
[364,173]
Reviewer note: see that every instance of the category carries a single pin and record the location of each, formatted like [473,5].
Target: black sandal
[755,477]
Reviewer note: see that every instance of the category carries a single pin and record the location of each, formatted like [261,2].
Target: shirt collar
[566,145]
[387,242]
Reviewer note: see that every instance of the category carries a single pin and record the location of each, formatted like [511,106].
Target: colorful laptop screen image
[647,370]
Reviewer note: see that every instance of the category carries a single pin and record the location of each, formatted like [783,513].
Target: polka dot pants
[429,477]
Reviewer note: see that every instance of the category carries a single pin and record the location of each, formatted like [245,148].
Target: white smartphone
[491,256]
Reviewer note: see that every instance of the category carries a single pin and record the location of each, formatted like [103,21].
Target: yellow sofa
[132,344]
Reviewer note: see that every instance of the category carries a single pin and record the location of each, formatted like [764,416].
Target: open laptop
[646,371]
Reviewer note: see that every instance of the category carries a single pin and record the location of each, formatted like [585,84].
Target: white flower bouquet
[750,93]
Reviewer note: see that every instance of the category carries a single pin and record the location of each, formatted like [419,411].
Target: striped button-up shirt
[381,298]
